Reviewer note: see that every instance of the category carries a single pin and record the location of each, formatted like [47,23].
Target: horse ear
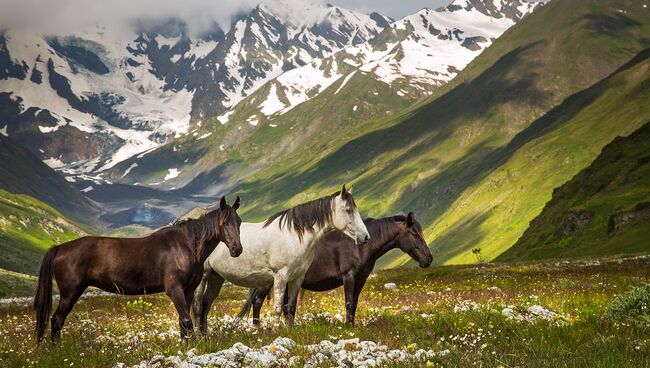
[343,191]
[350,190]
[222,203]
[235,206]
[410,219]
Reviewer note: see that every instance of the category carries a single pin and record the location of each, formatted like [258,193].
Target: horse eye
[349,211]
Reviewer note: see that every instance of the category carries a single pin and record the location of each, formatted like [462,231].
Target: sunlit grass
[424,312]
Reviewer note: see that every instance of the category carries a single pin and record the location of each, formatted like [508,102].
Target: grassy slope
[22,172]
[27,228]
[617,181]
[426,158]
[16,284]
[493,213]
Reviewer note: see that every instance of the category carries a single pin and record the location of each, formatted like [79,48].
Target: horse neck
[206,249]
[311,238]
[376,248]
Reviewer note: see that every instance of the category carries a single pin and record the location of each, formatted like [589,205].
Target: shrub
[635,303]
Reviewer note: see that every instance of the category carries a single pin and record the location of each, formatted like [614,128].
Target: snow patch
[272,104]
[127,171]
[165,41]
[252,120]
[171,174]
[87,189]
[345,81]
[223,119]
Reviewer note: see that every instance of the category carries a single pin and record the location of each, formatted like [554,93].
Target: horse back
[122,265]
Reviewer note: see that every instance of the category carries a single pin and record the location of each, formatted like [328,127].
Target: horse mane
[382,229]
[305,216]
[199,231]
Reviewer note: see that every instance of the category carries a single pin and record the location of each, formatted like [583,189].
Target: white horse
[278,251]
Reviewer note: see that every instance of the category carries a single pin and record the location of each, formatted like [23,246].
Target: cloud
[56,17]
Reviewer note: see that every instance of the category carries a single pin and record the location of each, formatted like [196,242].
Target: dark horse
[170,260]
[338,263]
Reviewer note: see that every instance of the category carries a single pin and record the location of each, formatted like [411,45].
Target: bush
[632,304]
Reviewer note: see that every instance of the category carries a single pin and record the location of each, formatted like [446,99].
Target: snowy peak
[511,9]
[414,54]
[116,93]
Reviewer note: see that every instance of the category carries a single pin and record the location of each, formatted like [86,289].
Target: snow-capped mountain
[86,101]
[413,54]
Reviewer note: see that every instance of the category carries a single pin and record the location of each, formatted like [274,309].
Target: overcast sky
[393,8]
[63,16]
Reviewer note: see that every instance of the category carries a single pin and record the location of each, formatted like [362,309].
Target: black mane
[305,216]
[383,228]
[199,231]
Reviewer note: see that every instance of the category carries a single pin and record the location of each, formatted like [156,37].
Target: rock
[574,221]
[390,286]
[285,342]
[157,359]
[509,312]
[256,359]
[294,361]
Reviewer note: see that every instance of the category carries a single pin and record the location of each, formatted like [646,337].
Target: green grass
[617,182]
[28,227]
[16,284]
[102,331]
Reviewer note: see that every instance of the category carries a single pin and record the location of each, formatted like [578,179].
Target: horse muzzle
[362,239]
[235,250]
[427,262]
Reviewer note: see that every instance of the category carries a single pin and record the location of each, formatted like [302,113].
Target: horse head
[229,223]
[411,241]
[346,218]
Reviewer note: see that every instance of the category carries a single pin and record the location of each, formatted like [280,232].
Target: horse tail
[43,297]
[249,303]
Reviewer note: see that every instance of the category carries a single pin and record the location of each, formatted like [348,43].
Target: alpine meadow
[296,183]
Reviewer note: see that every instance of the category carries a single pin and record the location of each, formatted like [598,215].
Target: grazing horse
[279,251]
[170,260]
[337,263]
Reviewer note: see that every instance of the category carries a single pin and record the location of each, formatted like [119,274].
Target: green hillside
[438,157]
[16,284]
[22,172]
[493,213]
[476,161]
[604,209]
[27,228]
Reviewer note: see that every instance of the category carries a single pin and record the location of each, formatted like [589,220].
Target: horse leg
[279,286]
[68,298]
[176,293]
[258,301]
[358,286]
[198,295]
[293,289]
[212,289]
[348,286]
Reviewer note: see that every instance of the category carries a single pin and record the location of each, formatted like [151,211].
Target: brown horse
[338,263]
[170,260]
